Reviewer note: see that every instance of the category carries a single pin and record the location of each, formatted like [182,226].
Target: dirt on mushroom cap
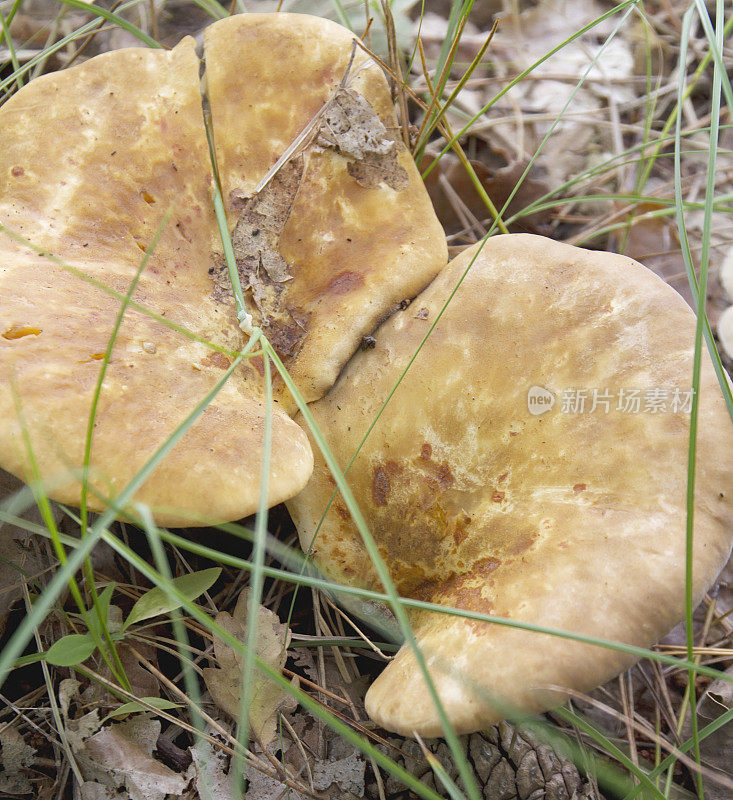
[573,518]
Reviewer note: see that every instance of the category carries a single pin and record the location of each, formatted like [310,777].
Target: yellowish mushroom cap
[96,158]
[566,511]
[357,231]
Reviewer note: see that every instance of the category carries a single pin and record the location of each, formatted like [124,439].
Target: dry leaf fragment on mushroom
[262,270]
[573,518]
[224,682]
[351,127]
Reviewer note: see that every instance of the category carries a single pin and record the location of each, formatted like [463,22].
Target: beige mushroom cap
[92,160]
[571,518]
[360,234]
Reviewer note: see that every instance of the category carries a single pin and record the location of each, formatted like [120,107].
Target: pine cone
[509,763]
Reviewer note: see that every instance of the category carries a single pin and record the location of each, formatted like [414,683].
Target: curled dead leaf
[224,682]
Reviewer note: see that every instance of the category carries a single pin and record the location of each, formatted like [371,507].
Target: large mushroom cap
[357,232]
[93,159]
[542,511]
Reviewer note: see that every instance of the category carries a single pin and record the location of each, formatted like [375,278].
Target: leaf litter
[16,758]
[120,756]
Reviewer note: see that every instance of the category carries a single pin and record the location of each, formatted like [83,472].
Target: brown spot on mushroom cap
[216,359]
[259,364]
[345,282]
[607,563]
[105,172]
[463,590]
[380,487]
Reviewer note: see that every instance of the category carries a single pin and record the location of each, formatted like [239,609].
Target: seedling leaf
[134,706]
[70,650]
[156,601]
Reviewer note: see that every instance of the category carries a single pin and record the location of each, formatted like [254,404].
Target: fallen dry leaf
[525,38]
[224,682]
[120,756]
[498,183]
[91,790]
[117,757]
[210,771]
[15,758]
[348,773]
[19,561]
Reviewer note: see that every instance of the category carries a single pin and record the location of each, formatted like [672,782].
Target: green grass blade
[697,360]
[460,281]
[612,750]
[467,127]
[109,649]
[110,16]
[304,699]
[120,296]
[395,601]
[669,761]
[256,582]
[190,679]
[5,28]
[715,40]
[310,577]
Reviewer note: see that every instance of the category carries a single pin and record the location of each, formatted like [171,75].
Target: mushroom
[328,236]
[531,465]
